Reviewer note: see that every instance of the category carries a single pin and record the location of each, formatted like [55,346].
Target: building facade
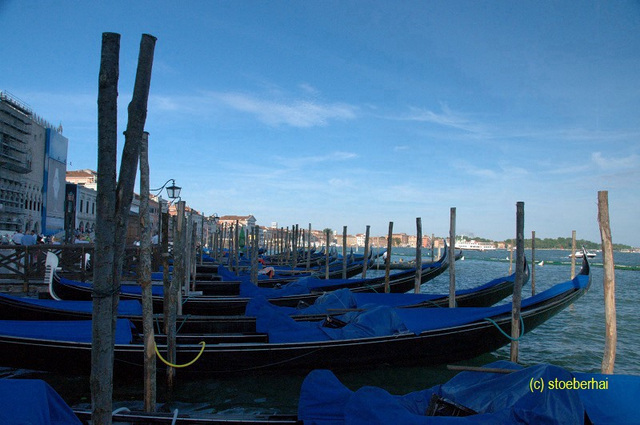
[33,156]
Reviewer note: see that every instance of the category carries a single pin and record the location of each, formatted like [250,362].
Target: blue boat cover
[156,290]
[280,327]
[125,307]
[33,401]
[72,330]
[498,399]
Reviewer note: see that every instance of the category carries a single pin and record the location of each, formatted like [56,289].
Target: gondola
[498,393]
[356,339]
[304,290]
[20,308]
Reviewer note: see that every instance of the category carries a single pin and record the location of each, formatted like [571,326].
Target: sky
[355,113]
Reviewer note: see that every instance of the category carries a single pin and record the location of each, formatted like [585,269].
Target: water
[573,339]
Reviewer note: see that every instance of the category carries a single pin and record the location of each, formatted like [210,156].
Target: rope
[182,365]
[504,333]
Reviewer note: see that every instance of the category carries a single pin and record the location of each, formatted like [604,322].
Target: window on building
[81,204]
[93,209]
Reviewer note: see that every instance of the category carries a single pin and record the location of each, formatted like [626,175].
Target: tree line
[564,243]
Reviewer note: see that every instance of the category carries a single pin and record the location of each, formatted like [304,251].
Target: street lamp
[173,191]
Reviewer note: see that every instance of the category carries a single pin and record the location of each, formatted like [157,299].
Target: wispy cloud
[316,159]
[295,113]
[615,163]
[445,118]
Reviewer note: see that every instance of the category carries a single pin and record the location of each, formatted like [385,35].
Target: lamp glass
[173,191]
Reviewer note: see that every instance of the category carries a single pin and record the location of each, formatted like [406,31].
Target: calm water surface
[573,339]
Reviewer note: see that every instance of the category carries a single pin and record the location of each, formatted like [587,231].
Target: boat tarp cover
[498,399]
[156,290]
[33,401]
[125,307]
[65,330]
[385,320]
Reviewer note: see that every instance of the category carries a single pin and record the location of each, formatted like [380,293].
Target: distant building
[33,157]
[246,221]
[87,178]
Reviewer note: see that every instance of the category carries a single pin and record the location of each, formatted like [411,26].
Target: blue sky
[360,112]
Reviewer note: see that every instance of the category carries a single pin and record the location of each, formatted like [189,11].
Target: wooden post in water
[418,282]
[344,252]
[166,283]
[145,280]
[254,255]
[326,266]
[236,244]
[510,259]
[294,246]
[177,283]
[365,263]
[517,287]
[309,248]
[387,262]
[533,263]
[193,256]
[452,258]
[609,281]
[433,258]
[573,254]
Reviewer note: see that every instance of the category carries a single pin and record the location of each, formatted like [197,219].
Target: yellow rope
[181,365]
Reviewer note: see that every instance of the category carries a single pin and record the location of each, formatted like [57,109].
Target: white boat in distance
[580,254]
[475,246]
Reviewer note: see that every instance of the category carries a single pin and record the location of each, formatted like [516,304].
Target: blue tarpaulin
[156,290]
[62,330]
[383,320]
[498,399]
[125,307]
[33,402]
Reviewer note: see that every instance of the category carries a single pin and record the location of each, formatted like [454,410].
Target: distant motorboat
[541,263]
[580,254]
[474,245]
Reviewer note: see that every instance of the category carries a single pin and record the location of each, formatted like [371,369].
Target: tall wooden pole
[326,267]
[102,335]
[177,283]
[366,252]
[145,281]
[533,263]
[517,287]
[573,254]
[344,252]
[611,335]
[452,258]
[309,249]
[387,262]
[166,283]
[418,282]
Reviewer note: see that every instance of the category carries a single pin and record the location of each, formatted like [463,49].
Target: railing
[22,263]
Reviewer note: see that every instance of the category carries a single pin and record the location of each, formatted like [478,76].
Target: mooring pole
[573,254]
[533,263]
[326,265]
[517,287]
[418,281]
[387,262]
[452,258]
[150,387]
[365,263]
[344,252]
[309,248]
[611,335]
